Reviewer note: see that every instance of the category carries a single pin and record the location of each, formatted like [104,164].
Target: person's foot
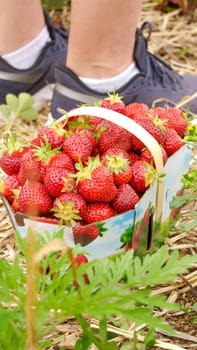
[156,80]
[41,74]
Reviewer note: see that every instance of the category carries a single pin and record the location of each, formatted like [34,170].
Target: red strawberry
[177,120]
[136,109]
[133,157]
[34,199]
[98,212]
[114,136]
[83,122]
[114,102]
[138,145]
[11,156]
[7,186]
[172,142]
[147,156]
[58,180]
[78,146]
[62,160]
[174,117]
[29,168]
[159,112]
[10,162]
[94,121]
[95,183]
[95,151]
[43,154]
[143,175]
[126,199]
[119,167]
[15,205]
[35,142]
[154,127]
[81,259]
[42,170]
[115,152]
[85,234]
[53,134]
[69,207]
[123,176]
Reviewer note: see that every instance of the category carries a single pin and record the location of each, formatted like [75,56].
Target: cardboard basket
[147,224]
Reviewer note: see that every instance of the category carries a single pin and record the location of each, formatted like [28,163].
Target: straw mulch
[174,40]
[174,37]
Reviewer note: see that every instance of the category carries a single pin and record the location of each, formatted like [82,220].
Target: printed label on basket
[50,228]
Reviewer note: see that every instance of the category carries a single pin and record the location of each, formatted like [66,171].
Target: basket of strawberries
[105,174]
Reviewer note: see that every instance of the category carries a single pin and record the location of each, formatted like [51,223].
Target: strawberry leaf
[5,111]
[28,114]
[18,107]
[189,225]
[12,102]
[25,100]
[179,201]
[21,106]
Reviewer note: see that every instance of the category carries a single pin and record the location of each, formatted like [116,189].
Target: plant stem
[10,123]
[88,332]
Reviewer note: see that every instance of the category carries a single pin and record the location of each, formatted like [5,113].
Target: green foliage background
[55,4]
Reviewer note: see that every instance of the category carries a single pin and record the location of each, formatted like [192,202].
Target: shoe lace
[62,31]
[62,35]
[162,73]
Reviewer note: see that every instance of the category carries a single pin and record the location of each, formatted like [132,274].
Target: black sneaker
[156,80]
[41,74]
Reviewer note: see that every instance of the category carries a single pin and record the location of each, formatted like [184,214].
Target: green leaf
[29,114]
[189,179]
[103,329]
[110,346]
[5,111]
[179,201]
[46,344]
[26,101]
[141,315]
[88,334]
[5,317]
[189,225]
[12,102]
[195,307]
[113,291]
[143,297]
[18,107]
[82,343]
[21,243]
[55,4]
[150,338]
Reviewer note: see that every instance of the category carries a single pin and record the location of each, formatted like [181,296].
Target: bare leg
[21,21]
[102,36]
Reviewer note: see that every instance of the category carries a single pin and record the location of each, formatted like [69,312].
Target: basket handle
[137,130]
